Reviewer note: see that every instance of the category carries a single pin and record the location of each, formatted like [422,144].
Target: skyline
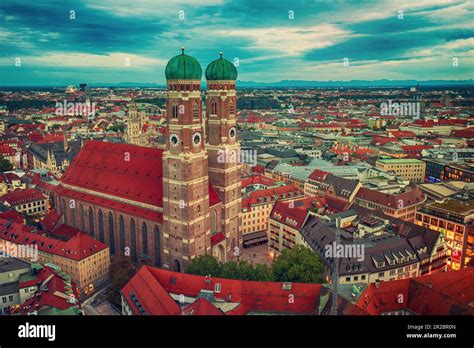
[270,41]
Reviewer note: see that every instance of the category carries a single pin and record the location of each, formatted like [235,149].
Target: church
[165,207]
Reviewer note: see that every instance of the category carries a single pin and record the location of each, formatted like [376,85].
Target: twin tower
[201,189]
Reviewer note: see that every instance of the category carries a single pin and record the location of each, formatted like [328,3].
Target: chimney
[377,284]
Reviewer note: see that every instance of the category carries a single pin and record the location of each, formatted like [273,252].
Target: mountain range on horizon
[297,83]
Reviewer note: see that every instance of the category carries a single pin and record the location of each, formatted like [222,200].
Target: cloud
[270,45]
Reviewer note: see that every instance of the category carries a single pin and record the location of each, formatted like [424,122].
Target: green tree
[117,127]
[205,265]
[121,270]
[263,273]
[299,265]
[5,165]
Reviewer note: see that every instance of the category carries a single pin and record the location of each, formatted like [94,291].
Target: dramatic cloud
[68,42]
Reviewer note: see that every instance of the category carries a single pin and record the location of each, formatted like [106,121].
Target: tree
[5,165]
[263,273]
[205,265]
[121,270]
[299,265]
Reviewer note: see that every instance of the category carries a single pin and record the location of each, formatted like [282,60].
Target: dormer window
[217,288]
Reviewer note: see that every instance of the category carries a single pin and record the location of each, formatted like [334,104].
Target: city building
[454,218]
[155,291]
[256,208]
[447,293]
[408,168]
[164,205]
[402,205]
[84,259]
[29,202]
[374,247]
[136,120]
[10,271]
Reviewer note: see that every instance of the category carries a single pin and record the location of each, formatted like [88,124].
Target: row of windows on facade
[176,109]
[133,247]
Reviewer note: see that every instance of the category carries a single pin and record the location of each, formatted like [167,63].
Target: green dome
[221,69]
[183,67]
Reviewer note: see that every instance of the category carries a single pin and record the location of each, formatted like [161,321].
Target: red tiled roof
[401,134]
[51,220]
[77,248]
[6,150]
[22,196]
[271,195]
[150,294]
[257,179]
[217,238]
[201,307]
[318,175]
[412,195]
[48,297]
[294,216]
[122,171]
[12,215]
[439,294]
[152,287]
[66,231]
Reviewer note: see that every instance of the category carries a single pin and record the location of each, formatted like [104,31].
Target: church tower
[186,217]
[135,120]
[223,148]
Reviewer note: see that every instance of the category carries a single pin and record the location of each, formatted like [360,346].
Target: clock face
[197,138]
[174,139]
[232,132]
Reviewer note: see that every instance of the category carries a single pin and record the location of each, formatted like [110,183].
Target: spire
[220,54]
[182,51]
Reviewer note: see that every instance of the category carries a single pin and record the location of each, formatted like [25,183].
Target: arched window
[101,226]
[175,111]
[213,107]
[91,222]
[111,234]
[145,239]
[133,239]
[64,210]
[156,232]
[72,210]
[213,222]
[83,222]
[122,233]
[177,266]
[195,110]
[231,107]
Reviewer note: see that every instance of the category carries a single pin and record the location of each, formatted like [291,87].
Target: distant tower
[224,149]
[136,119]
[186,217]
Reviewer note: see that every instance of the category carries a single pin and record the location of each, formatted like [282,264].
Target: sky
[81,41]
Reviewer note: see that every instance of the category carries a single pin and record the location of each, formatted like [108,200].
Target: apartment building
[85,259]
[454,218]
[408,168]
[374,247]
[256,208]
